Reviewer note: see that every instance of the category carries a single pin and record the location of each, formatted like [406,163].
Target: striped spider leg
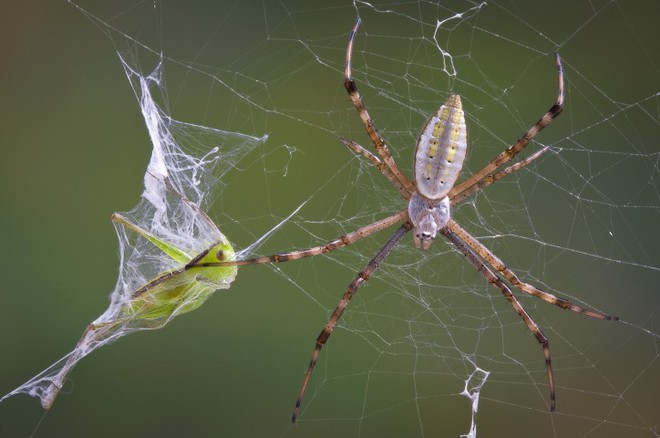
[439,156]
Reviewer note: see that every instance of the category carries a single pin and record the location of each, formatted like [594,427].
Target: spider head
[428,216]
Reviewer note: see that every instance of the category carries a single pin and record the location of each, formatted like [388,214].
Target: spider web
[427,340]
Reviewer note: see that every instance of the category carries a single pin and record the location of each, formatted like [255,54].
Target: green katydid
[170,249]
[170,293]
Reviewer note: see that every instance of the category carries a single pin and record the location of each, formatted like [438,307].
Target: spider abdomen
[441,150]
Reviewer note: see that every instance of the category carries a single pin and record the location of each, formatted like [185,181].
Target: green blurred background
[582,223]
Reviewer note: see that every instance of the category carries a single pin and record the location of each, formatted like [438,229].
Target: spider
[439,156]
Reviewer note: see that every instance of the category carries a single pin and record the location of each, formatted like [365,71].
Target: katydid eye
[220,255]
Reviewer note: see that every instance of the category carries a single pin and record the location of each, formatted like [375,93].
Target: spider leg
[511,151]
[378,164]
[340,242]
[356,98]
[359,280]
[494,177]
[507,273]
[498,283]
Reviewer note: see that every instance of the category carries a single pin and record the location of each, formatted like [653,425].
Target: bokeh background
[582,222]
